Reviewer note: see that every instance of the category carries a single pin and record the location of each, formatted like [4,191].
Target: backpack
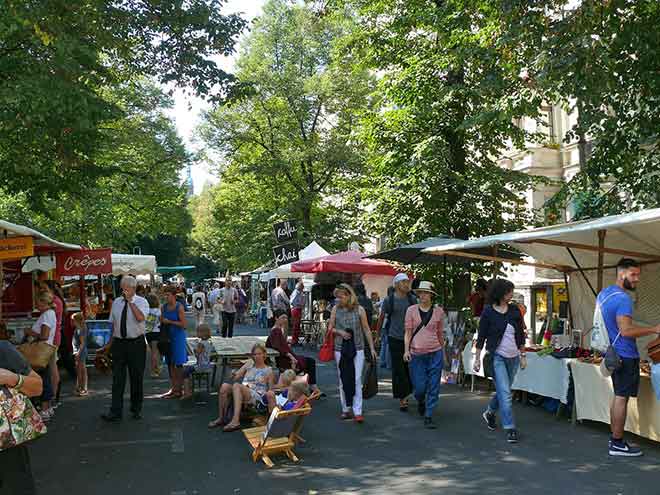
[388,306]
[600,339]
[199,305]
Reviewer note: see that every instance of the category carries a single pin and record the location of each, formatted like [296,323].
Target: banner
[87,262]
[14,248]
[285,231]
[285,253]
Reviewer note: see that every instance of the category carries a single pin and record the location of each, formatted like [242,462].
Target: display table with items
[229,350]
[544,375]
[594,394]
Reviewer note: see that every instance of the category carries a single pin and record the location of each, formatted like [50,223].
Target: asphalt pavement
[171,451]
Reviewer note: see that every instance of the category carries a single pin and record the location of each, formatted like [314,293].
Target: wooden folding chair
[279,436]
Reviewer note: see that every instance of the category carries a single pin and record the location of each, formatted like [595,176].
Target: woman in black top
[502,329]
[15,472]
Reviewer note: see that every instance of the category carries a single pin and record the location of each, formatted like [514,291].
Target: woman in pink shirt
[423,342]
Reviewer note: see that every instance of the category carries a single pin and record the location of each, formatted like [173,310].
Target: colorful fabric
[19,420]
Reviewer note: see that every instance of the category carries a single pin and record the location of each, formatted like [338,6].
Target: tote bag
[38,354]
[19,420]
[327,352]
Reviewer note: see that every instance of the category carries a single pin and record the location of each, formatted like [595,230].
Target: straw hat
[425,286]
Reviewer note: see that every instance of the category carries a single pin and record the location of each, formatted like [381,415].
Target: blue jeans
[425,372]
[505,371]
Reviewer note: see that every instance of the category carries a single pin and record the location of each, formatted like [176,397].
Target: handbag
[611,361]
[38,354]
[489,370]
[327,351]
[654,350]
[19,420]
[370,380]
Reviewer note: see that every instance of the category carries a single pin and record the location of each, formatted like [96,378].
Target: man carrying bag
[616,307]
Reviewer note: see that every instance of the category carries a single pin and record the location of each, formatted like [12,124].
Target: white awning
[133,264]
[633,234]
[8,229]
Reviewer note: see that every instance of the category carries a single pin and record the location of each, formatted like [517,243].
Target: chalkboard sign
[285,253]
[286,231]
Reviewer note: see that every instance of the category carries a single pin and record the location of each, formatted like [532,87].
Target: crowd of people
[410,324]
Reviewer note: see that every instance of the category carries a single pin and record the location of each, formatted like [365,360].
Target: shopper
[44,330]
[501,328]
[228,299]
[287,359]
[279,298]
[216,307]
[173,323]
[348,323]
[423,350]
[297,305]
[477,299]
[394,309]
[59,305]
[199,305]
[616,307]
[15,470]
[152,328]
[80,337]
[129,349]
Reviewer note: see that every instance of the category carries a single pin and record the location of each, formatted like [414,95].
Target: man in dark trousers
[129,349]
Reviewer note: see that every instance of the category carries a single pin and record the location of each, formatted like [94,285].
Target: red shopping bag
[327,352]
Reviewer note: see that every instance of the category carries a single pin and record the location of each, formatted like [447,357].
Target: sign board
[87,262]
[285,253]
[285,231]
[14,248]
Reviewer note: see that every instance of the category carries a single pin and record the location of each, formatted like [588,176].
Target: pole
[568,297]
[444,280]
[601,245]
[2,286]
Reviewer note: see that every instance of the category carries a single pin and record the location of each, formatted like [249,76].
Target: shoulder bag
[38,354]
[327,351]
[19,420]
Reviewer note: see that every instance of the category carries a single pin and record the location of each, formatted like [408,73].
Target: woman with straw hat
[348,323]
[423,350]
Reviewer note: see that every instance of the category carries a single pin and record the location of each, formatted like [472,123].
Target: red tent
[344,262]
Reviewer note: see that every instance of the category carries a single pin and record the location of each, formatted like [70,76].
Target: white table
[593,396]
[544,375]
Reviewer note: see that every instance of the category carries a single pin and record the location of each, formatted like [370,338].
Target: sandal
[231,427]
[216,422]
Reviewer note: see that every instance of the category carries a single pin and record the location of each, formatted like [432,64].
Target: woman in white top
[44,330]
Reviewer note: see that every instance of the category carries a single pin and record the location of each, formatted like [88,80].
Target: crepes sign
[86,262]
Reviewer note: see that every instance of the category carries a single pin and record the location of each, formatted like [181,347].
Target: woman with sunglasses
[253,381]
[348,323]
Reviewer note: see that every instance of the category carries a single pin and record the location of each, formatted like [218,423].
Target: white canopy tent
[313,250]
[586,252]
[133,264]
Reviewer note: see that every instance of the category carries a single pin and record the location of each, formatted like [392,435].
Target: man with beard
[616,306]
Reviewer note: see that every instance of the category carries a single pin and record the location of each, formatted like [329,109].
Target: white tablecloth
[594,393]
[544,375]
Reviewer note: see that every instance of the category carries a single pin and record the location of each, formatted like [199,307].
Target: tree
[59,58]
[602,60]
[451,93]
[292,121]
[142,198]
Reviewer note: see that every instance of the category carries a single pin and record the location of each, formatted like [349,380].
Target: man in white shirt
[129,349]
[297,305]
[279,299]
[199,305]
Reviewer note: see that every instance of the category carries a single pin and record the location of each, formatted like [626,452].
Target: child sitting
[281,394]
[203,352]
[296,395]
[286,378]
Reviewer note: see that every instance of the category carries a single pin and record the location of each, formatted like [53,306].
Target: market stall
[585,253]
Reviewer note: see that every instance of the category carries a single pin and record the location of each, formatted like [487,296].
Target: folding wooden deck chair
[279,436]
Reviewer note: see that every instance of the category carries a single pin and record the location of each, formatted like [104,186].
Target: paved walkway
[171,451]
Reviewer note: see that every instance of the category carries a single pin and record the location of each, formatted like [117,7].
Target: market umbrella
[344,262]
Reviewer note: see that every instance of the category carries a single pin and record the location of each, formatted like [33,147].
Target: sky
[187,109]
